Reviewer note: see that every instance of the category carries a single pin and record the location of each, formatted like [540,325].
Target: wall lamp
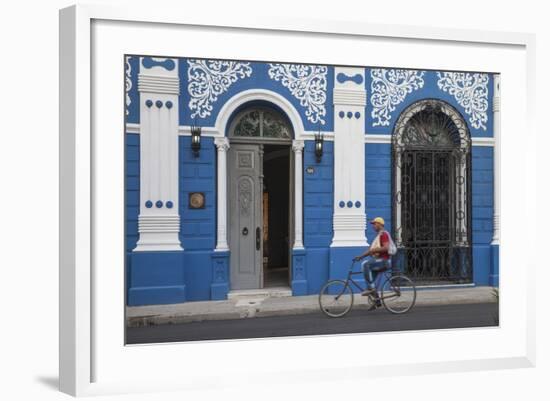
[319,139]
[195,139]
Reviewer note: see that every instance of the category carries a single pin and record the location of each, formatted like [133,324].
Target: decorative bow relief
[307,83]
[210,78]
[471,91]
[389,88]
[166,63]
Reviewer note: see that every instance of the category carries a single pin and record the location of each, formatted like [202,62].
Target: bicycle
[397,294]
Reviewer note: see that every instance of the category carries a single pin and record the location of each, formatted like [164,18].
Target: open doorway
[276,211]
[260,199]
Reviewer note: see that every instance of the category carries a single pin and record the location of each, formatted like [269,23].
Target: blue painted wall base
[299,278]
[220,275]
[156,278]
[198,274]
[495,260]
[316,269]
[340,261]
[481,264]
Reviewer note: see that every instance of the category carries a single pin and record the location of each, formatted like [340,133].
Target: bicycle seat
[388,265]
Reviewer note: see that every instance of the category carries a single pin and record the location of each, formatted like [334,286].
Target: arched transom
[261,122]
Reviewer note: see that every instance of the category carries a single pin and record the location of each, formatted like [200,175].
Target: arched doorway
[431,163]
[260,194]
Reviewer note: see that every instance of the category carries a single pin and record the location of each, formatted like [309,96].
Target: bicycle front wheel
[398,294]
[335,298]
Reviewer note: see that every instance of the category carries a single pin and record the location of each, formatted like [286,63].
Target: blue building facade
[200,223]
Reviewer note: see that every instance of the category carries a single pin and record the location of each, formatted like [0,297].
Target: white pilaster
[222,146]
[159,220]
[349,157]
[496,160]
[298,148]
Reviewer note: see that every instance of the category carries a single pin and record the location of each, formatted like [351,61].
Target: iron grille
[431,163]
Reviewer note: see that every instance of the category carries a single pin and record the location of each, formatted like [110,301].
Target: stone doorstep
[256,303]
[271,292]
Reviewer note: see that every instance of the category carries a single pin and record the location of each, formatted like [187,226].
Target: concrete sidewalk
[277,302]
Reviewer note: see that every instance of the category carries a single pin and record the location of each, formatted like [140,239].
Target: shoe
[376,304]
[368,291]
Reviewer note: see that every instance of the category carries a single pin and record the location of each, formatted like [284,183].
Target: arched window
[261,122]
[431,157]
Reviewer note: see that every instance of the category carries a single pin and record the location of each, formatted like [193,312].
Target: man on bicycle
[378,258]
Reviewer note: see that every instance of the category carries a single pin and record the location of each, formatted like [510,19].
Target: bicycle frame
[386,274]
[387,285]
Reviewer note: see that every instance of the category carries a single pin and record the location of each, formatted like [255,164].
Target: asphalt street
[357,321]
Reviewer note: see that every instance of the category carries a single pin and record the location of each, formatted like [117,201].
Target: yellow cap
[379,220]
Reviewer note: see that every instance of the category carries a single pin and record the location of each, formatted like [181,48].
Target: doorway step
[270,292]
[250,301]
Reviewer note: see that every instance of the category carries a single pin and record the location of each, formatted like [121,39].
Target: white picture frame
[94,361]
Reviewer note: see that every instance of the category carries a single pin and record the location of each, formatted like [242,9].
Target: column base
[220,273]
[158,233]
[299,277]
[349,230]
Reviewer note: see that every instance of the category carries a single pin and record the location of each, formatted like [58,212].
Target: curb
[269,307]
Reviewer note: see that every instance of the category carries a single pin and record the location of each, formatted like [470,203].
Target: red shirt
[384,240]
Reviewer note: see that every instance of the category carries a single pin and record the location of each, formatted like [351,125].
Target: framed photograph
[338,185]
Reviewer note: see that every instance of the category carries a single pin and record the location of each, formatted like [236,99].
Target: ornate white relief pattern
[128,83]
[245,195]
[210,78]
[307,83]
[389,87]
[471,91]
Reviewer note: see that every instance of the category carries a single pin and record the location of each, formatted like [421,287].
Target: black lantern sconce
[319,139]
[195,139]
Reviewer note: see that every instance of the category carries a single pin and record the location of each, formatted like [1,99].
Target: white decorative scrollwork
[128,83]
[210,78]
[471,91]
[389,87]
[307,83]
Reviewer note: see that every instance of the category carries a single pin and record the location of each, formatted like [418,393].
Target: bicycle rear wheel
[398,294]
[335,298]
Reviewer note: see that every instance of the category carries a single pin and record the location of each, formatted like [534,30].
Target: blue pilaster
[482,213]
[318,210]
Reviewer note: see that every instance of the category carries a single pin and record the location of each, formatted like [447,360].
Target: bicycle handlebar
[353,261]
